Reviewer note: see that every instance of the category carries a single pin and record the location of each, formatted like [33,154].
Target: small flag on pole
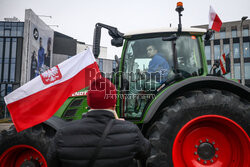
[223,63]
[38,100]
[214,21]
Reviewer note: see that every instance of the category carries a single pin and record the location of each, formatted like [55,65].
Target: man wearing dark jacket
[100,139]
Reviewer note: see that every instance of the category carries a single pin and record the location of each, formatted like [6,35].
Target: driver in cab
[158,67]
[156,74]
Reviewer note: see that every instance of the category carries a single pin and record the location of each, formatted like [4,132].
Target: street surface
[5,126]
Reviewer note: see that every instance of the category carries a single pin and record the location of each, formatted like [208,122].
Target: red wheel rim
[22,154]
[213,141]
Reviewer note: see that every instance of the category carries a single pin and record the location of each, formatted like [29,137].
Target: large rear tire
[24,149]
[202,128]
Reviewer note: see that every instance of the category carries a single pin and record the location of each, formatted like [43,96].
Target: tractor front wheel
[24,149]
[202,128]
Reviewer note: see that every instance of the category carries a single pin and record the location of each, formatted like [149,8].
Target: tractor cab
[152,61]
[177,56]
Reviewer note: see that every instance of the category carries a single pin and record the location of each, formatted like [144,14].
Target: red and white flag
[223,63]
[214,21]
[40,98]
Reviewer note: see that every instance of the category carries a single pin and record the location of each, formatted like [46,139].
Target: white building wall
[81,47]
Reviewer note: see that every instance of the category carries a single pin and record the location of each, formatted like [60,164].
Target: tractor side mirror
[117,37]
[117,42]
[209,35]
[96,41]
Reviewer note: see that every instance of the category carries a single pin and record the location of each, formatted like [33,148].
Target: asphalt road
[5,126]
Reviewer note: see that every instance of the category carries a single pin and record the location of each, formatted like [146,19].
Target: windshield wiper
[172,37]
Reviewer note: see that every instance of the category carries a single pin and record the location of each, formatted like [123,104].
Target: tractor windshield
[150,63]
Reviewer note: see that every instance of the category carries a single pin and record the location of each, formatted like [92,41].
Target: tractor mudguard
[55,122]
[194,84]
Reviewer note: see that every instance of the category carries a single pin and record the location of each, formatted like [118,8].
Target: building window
[226,49]
[6,60]
[234,33]
[6,32]
[237,71]
[246,49]
[114,64]
[100,65]
[222,35]
[209,68]
[212,38]
[216,52]
[3,89]
[20,27]
[14,29]
[247,70]
[1,29]
[1,57]
[236,50]
[207,52]
[245,32]
[13,60]
[9,88]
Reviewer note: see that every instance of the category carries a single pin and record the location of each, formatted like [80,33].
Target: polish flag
[214,21]
[223,63]
[40,98]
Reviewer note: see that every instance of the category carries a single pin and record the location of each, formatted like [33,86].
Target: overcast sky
[77,18]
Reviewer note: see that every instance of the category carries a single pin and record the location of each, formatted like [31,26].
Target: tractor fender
[195,84]
[55,122]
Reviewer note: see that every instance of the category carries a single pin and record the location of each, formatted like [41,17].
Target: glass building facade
[11,44]
[228,41]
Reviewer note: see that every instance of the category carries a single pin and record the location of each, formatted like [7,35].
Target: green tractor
[191,117]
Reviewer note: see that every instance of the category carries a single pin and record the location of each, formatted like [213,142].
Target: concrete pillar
[231,57]
[221,47]
[242,65]
[212,52]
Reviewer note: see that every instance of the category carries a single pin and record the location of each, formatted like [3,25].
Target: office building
[233,40]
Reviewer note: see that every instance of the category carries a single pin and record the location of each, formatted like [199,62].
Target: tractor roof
[162,30]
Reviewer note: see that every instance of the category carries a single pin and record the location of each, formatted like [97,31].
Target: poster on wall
[41,49]
[38,38]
